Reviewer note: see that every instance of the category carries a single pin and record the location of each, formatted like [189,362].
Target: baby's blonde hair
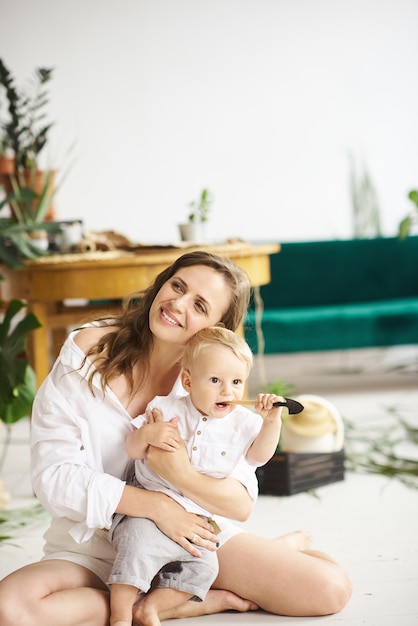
[220,336]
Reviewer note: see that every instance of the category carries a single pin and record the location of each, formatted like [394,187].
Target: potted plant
[198,214]
[24,132]
[29,191]
[20,236]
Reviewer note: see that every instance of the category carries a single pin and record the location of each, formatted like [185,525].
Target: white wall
[259,100]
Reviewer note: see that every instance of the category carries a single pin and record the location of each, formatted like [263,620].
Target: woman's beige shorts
[97,554]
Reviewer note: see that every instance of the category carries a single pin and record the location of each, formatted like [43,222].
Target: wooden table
[46,283]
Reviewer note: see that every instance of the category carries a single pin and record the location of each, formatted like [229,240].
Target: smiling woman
[104,377]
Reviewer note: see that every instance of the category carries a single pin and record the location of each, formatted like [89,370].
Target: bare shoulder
[86,338]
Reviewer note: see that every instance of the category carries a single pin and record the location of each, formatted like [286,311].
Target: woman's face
[194,298]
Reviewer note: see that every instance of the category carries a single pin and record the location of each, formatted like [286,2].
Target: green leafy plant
[17,377]
[406,224]
[201,208]
[29,209]
[280,388]
[25,130]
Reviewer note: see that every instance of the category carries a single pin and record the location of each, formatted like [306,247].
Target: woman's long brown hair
[117,351]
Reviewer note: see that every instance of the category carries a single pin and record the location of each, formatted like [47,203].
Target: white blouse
[78,458]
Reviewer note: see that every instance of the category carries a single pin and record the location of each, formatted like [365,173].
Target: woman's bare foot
[298,540]
[216,601]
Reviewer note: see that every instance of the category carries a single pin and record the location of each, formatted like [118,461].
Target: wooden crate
[287,473]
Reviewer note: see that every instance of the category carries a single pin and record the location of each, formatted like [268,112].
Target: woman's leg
[53,593]
[283,576]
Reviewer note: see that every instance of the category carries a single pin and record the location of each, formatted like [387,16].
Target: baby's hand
[265,408]
[162,435]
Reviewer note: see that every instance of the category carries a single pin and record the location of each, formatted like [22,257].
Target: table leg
[38,342]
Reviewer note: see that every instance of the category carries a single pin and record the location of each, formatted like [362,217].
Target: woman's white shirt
[78,456]
[79,461]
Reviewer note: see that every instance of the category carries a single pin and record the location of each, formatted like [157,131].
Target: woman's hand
[222,496]
[187,529]
[169,465]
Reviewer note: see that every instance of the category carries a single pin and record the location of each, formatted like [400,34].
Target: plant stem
[5,446]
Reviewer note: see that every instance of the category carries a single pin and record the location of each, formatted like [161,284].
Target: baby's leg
[122,598]
[157,601]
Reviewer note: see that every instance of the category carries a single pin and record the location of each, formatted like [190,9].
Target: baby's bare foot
[216,601]
[146,615]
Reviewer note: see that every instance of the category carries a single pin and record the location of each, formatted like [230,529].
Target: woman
[104,377]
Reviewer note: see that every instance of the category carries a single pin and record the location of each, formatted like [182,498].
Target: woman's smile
[169,317]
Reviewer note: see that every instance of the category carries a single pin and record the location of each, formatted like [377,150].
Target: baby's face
[216,378]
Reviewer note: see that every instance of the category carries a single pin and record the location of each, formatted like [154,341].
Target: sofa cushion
[390,322]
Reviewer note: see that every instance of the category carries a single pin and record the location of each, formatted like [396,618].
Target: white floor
[369,523]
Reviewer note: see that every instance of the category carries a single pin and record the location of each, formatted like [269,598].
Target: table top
[115,273]
[144,255]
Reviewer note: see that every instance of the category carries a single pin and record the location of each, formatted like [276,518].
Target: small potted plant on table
[199,211]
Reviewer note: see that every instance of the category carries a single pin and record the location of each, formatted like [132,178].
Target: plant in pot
[26,235]
[198,214]
[24,131]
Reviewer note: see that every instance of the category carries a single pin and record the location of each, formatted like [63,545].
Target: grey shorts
[143,552]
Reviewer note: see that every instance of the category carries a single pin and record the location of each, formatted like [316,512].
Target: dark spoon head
[293,406]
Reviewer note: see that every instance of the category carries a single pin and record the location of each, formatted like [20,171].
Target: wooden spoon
[293,406]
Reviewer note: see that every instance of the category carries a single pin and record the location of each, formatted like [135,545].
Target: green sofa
[327,295]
